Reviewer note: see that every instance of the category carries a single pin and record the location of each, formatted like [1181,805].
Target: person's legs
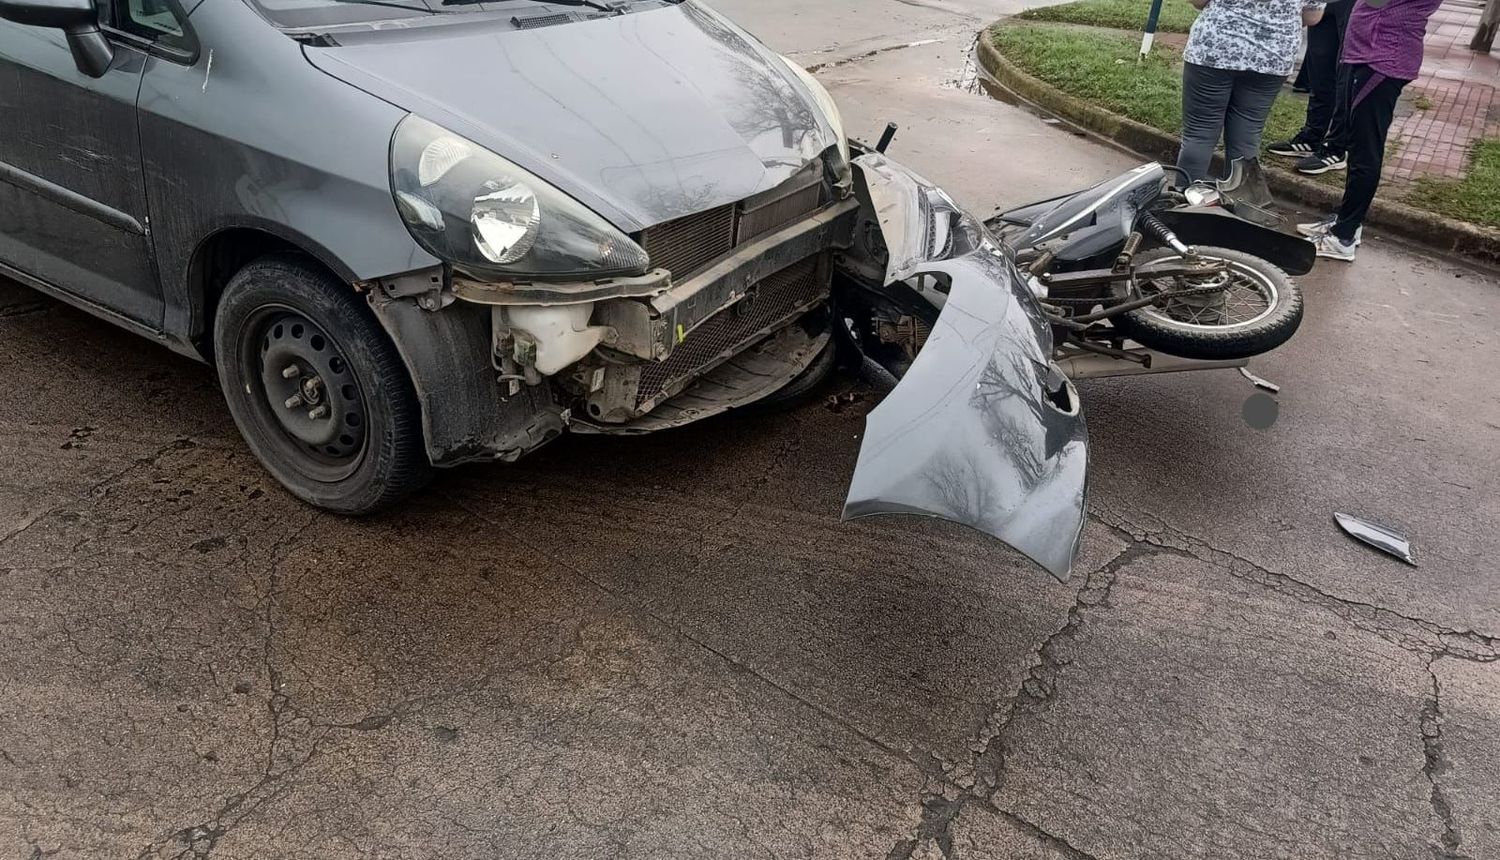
[1333,135]
[1337,140]
[1333,153]
[1205,98]
[1371,111]
[1249,106]
[1324,41]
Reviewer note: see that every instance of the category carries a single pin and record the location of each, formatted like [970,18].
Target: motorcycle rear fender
[983,429]
[1210,225]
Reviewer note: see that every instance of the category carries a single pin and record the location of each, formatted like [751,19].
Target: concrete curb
[1435,231]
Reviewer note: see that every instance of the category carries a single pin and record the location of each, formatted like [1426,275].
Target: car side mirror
[79,21]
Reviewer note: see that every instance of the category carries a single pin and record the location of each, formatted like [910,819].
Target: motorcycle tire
[1256,281]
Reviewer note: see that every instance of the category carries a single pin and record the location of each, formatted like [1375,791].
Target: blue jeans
[1223,102]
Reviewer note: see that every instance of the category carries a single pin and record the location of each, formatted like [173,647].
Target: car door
[72,196]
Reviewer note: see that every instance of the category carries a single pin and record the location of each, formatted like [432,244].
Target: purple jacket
[1388,38]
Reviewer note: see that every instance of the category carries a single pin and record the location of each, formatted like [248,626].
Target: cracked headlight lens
[506,221]
[495,220]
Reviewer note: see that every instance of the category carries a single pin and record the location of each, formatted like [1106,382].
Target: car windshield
[311,14]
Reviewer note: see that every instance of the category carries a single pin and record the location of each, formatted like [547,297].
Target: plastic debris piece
[1378,536]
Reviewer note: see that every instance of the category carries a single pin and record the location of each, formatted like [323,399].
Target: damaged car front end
[412,236]
[581,326]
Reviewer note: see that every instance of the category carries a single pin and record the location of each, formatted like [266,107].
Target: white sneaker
[1314,229]
[1333,248]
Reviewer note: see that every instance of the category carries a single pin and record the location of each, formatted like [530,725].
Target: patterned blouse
[1248,35]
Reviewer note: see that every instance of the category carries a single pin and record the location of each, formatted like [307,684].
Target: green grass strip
[1176,15]
[1101,66]
[1474,198]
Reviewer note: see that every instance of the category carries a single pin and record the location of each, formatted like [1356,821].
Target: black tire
[365,451]
[804,386]
[1164,330]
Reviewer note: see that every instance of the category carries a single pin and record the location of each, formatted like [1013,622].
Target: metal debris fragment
[1260,383]
[1378,536]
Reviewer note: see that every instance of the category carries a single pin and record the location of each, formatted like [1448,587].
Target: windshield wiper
[606,6]
[391,4]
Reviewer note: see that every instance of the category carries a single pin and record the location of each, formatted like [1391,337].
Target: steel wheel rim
[304,393]
[1244,280]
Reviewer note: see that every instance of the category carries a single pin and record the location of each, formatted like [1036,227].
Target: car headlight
[490,218]
[827,105]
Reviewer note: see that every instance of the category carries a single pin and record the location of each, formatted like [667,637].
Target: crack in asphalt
[144,462]
[943,802]
[789,445]
[925,761]
[25,309]
[199,840]
[875,52]
[946,791]
[945,798]
[1434,767]
[938,6]
[1409,632]
[1056,843]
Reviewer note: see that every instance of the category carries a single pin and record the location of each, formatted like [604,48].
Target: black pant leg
[1336,133]
[1371,111]
[1324,41]
[1325,75]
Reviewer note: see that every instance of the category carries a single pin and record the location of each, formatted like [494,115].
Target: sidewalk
[1451,106]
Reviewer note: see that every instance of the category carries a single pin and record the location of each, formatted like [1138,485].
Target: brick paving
[1452,104]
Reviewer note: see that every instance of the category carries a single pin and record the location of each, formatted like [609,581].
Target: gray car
[413,234]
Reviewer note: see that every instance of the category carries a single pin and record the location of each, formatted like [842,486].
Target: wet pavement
[670,647]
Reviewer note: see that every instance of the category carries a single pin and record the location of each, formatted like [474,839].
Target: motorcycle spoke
[1242,300]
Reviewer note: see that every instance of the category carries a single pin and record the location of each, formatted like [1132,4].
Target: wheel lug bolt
[291,371]
[294,401]
[318,413]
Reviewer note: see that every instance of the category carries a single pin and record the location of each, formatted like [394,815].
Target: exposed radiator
[770,303]
[688,245]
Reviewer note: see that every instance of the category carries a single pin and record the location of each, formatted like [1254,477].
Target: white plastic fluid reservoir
[562,334]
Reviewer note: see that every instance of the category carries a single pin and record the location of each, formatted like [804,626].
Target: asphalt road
[670,647]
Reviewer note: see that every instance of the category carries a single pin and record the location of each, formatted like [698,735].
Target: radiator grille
[688,245]
[798,204]
[772,301]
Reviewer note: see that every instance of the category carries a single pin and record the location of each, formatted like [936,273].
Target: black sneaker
[1293,148]
[1322,162]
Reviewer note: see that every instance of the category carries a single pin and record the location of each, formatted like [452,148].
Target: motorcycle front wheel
[1258,310]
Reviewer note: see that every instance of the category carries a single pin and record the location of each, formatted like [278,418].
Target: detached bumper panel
[983,429]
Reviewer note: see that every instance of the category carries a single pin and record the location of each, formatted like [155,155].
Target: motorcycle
[1133,271]
[984,326]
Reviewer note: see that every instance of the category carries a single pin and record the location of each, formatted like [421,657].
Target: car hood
[643,117]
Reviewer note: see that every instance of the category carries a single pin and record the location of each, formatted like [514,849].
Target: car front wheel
[317,388]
